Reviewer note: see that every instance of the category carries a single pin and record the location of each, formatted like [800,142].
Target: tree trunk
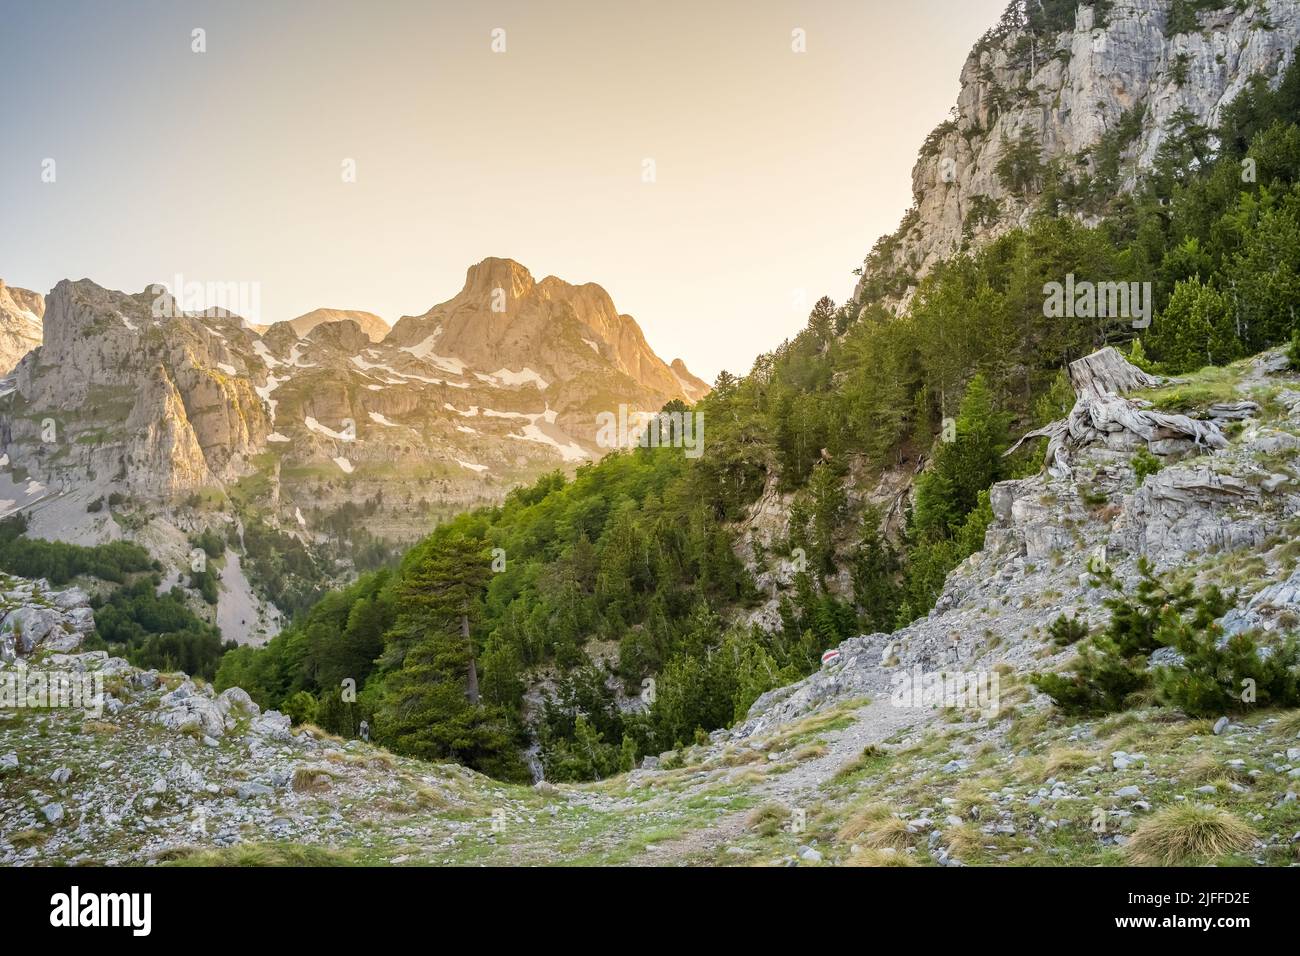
[471,685]
[1106,372]
[1099,380]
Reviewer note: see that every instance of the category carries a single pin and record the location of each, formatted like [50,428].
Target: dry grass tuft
[861,820]
[767,819]
[311,779]
[1067,759]
[1188,833]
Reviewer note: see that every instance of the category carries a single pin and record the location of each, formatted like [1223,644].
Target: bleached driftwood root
[1099,381]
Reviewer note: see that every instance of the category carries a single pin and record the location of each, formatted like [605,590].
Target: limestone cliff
[1113,82]
[20,324]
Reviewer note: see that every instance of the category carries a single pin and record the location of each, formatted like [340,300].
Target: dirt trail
[872,723]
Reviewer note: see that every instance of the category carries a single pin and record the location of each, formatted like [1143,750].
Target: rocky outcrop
[33,617]
[372,325]
[1208,505]
[20,324]
[1121,76]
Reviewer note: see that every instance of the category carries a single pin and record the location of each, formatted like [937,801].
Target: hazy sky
[775,171]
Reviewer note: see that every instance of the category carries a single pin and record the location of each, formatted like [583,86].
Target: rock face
[693,387]
[1207,506]
[1068,92]
[130,398]
[32,617]
[116,395]
[20,324]
[372,325]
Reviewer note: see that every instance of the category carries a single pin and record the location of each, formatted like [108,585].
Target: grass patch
[766,820]
[26,839]
[260,854]
[1188,833]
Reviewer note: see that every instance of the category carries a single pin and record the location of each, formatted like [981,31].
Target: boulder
[272,725]
[185,709]
[29,625]
[237,699]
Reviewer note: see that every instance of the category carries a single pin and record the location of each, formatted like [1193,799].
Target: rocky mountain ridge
[374,327]
[184,421]
[1118,79]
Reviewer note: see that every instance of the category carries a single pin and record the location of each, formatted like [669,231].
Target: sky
[681,154]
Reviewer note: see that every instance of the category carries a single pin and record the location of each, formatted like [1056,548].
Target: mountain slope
[20,324]
[1095,90]
[836,769]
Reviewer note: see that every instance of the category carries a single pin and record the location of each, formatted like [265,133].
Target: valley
[992,563]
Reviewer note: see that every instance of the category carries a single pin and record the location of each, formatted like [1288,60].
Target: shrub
[1213,679]
[1144,465]
[1065,631]
[1188,833]
[300,707]
[1214,675]
[1098,681]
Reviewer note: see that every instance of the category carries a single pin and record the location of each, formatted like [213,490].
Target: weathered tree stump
[1100,381]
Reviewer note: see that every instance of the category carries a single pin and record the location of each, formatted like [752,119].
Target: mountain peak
[374,327]
[483,279]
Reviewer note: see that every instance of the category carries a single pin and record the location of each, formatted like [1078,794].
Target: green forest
[627,582]
[132,619]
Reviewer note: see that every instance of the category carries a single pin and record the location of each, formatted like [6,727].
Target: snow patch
[264,392]
[269,360]
[507,377]
[569,451]
[318,428]
[425,353]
